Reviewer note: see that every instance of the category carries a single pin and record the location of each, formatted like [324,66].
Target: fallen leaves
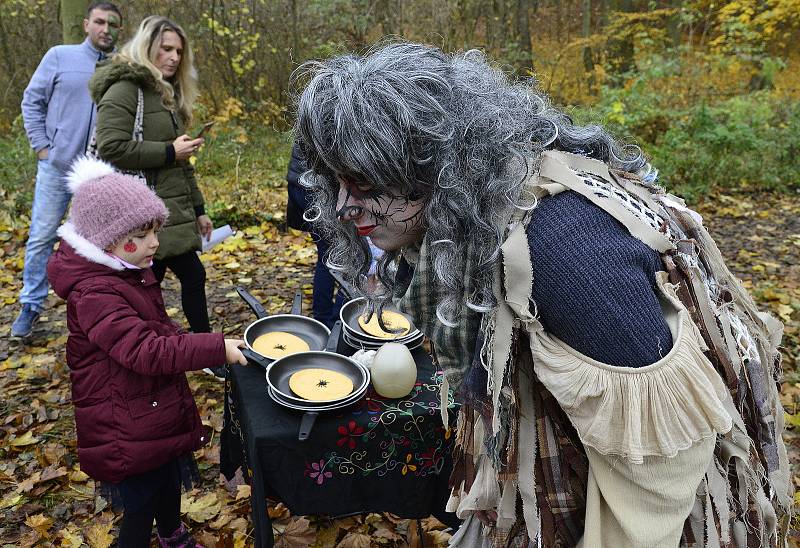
[12,499]
[70,537]
[295,534]
[48,474]
[40,523]
[202,508]
[355,540]
[98,535]
[26,439]
[758,236]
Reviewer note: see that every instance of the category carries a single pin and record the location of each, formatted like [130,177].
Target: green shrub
[242,173]
[17,176]
[748,142]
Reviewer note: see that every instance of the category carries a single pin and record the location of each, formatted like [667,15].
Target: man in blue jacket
[59,116]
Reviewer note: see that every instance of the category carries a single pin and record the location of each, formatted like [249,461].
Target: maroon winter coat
[133,407]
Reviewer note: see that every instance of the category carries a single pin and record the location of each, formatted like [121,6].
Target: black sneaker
[218,372]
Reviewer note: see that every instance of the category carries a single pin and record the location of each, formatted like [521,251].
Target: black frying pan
[314,333]
[310,413]
[279,371]
[352,310]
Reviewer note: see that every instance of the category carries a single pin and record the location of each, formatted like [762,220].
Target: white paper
[217,235]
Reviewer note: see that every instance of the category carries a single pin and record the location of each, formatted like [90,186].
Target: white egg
[394,371]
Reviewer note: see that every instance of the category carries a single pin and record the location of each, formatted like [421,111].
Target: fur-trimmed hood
[110,73]
[76,260]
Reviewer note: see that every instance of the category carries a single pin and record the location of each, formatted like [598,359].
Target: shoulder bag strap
[138,128]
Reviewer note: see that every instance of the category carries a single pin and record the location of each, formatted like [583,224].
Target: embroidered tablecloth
[376,455]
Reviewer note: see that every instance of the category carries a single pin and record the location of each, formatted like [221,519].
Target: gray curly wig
[412,120]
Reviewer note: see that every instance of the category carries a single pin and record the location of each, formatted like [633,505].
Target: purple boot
[181,538]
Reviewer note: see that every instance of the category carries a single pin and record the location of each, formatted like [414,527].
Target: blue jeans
[50,201]
[324,306]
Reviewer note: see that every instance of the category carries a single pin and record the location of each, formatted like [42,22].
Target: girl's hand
[232,352]
[205,226]
[185,146]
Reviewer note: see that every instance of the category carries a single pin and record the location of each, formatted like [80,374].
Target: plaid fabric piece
[454,346]
[562,471]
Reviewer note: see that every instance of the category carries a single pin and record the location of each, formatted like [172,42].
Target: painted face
[102,27]
[169,55]
[137,248]
[391,221]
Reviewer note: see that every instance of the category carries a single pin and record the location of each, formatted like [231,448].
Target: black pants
[192,276]
[152,496]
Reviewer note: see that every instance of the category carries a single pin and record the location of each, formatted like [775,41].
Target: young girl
[135,417]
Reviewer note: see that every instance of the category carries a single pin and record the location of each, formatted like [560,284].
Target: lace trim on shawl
[656,410]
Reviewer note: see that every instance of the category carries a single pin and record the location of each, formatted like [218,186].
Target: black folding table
[378,455]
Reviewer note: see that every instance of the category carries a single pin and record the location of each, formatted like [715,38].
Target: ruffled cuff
[656,410]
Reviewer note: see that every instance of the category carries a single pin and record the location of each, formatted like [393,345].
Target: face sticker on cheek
[130,247]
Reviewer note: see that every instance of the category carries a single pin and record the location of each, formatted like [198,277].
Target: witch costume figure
[618,384]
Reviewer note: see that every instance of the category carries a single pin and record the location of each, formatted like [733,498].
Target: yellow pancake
[320,384]
[277,344]
[392,320]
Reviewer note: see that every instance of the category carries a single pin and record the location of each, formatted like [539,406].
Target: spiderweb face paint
[390,220]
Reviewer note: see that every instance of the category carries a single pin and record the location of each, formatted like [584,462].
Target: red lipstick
[365,230]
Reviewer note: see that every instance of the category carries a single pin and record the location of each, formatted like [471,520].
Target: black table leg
[233,456]
[262,525]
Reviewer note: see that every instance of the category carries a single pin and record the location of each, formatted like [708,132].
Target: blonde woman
[158,61]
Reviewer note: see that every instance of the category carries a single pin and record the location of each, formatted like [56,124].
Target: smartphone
[203,129]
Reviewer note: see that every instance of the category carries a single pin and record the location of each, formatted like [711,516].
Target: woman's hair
[447,127]
[180,92]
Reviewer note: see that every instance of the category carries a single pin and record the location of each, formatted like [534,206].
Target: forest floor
[46,500]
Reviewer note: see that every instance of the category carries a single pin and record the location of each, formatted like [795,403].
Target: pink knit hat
[107,205]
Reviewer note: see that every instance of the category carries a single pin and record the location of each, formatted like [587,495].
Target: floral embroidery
[388,436]
[350,434]
[316,471]
[431,458]
[408,467]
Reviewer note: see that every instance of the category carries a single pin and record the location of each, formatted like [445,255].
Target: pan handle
[255,306]
[255,357]
[333,339]
[297,303]
[349,291]
[306,424]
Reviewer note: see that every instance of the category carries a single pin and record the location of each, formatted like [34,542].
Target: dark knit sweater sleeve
[594,284]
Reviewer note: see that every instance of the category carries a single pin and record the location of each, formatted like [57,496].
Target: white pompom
[85,169]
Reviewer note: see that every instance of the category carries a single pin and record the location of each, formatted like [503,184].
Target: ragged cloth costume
[569,450]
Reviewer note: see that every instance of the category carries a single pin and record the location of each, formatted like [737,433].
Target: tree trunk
[295,34]
[620,49]
[588,63]
[495,27]
[524,37]
[673,24]
[8,58]
[605,6]
[73,12]
[559,21]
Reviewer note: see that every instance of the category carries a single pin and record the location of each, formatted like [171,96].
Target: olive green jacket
[114,88]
